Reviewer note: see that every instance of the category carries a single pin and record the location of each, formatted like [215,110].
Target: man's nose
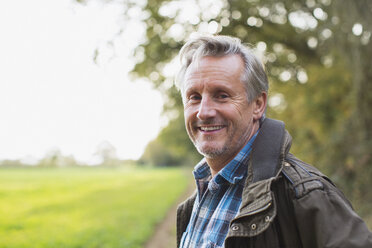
[206,109]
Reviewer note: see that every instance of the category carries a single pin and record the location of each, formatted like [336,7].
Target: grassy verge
[84,207]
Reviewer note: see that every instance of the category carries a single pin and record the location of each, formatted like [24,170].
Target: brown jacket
[287,203]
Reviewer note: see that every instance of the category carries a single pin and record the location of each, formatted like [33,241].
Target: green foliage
[158,154]
[315,57]
[54,158]
[171,147]
[11,163]
[315,112]
[318,58]
[84,207]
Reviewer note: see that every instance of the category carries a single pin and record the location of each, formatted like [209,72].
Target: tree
[107,154]
[55,158]
[318,57]
[172,147]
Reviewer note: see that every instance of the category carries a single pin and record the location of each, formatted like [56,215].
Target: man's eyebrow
[190,89]
[190,92]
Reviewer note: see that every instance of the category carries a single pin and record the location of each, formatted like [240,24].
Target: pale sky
[52,95]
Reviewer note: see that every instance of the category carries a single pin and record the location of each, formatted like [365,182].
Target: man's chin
[211,152]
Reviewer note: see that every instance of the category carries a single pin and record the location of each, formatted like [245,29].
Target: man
[251,192]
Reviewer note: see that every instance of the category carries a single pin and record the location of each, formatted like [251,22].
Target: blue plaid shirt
[217,202]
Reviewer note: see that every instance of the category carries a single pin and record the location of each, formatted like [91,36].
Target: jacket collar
[267,150]
[265,163]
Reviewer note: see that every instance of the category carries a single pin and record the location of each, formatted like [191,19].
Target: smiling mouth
[210,128]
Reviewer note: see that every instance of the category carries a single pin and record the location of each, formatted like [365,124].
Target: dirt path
[165,233]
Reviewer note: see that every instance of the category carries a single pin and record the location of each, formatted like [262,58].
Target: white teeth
[211,128]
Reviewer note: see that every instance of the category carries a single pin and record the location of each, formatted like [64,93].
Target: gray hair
[254,76]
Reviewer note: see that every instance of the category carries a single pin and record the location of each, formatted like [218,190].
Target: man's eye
[195,97]
[223,96]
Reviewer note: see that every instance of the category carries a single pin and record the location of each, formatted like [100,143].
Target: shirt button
[235,227]
[253,226]
[267,218]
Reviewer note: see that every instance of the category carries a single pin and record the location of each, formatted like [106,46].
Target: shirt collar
[202,170]
[236,169]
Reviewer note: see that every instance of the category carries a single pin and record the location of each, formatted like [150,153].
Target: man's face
[218,117]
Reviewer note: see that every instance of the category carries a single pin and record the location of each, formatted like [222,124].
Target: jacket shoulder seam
[301,179]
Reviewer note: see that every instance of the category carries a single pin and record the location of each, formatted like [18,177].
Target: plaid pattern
[217,202]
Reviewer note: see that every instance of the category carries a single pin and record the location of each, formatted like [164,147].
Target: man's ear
[259,106]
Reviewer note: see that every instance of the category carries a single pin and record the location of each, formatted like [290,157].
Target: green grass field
[84,207]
